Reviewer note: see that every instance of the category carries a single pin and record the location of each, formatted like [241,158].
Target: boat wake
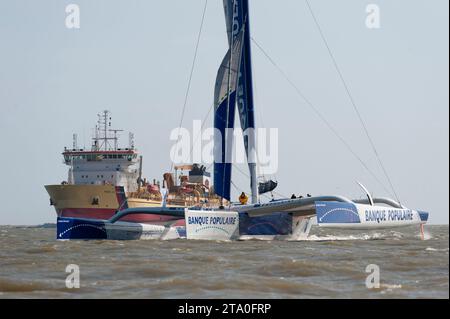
[376,236]
[384,235]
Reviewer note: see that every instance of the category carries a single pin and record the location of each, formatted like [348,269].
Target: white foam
[390,287]
[435,249]
[427,235]
[343,238]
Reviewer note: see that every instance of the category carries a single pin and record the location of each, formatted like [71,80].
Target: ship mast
[102,128]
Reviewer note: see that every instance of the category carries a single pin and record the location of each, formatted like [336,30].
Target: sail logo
[237,23]
[241,101]
[207,146]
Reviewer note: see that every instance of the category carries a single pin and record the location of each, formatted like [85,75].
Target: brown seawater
[330,265]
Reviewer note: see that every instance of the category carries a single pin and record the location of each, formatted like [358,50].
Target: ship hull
[99,202]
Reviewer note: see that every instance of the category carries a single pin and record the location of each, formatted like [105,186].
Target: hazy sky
[134,58]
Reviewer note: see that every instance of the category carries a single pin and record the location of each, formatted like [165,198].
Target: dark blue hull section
[73,228]
[273,224]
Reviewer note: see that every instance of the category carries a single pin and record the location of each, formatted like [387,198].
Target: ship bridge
[77,155]
[105,163]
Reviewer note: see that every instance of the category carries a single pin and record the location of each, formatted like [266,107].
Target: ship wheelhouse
[105,163]
[74,155]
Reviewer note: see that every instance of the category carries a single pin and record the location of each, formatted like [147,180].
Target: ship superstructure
[105,163]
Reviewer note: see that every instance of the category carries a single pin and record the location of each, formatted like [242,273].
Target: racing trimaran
[289,219]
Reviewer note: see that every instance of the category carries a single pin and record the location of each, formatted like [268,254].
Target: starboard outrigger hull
[361,216]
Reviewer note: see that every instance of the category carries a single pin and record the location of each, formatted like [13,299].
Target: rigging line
[237,188]
[248,176]
[241,171]
[256,99]
[242,190]
[190,75]
[326,122]
[352,100]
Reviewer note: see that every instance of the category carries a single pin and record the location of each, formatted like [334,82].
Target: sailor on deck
[243,199]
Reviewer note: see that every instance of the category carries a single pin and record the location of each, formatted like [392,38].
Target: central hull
[197,225]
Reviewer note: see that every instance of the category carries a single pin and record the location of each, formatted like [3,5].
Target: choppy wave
[331,264]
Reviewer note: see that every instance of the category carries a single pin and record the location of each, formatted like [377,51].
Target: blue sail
[225,107]
[234,86]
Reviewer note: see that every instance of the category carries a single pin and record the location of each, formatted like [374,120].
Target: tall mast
[247,109]
[230,63]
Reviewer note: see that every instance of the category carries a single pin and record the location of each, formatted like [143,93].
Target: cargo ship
[108,178]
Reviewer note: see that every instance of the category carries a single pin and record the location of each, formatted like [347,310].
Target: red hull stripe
[98,213]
